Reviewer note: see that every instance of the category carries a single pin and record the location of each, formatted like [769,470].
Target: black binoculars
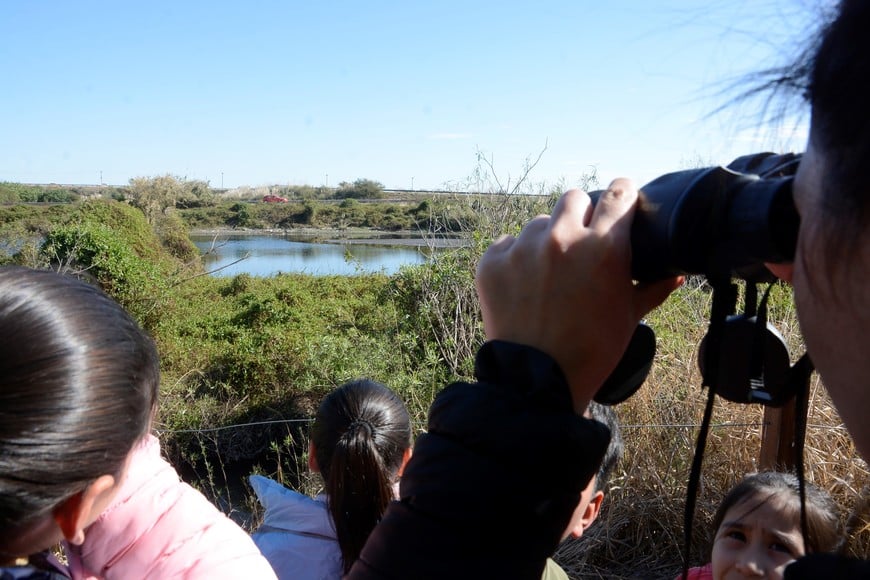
[716,221]
[722,223]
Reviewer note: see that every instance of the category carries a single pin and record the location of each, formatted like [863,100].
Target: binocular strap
[724,303]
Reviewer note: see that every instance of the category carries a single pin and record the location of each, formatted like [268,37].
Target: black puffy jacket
[492,485]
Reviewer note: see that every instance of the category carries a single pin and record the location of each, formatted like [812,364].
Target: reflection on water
[266,255]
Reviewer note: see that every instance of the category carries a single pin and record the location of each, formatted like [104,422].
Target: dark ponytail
[360,435]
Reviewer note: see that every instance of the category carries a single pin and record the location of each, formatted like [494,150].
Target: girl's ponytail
[360,436]
[359,489]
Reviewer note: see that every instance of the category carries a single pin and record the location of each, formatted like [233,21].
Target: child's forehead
[766,503]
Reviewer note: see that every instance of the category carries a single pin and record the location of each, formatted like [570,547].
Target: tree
[360,189]
[155,195]
[308,214]
[242,217]
[195,193]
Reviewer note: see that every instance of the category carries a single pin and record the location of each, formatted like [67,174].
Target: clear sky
[402,92]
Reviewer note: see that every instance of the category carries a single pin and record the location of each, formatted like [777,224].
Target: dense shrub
[57,196]
[156,195]
[8,195]
[441,322]
[19,192]
[242,217]
[106,241]
[175,238]
[101,253]
[309,214]
[360,189]
[207,217]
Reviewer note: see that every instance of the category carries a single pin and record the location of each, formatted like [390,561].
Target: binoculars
[722,223]
[716,221]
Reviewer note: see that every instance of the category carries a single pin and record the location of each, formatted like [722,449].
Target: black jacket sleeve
[829,567]
[492,485]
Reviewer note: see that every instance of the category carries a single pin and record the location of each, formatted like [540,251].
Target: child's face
[758,538]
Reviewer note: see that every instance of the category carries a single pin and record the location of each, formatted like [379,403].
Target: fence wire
[421,425]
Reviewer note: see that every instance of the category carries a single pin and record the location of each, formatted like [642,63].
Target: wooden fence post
[777,436]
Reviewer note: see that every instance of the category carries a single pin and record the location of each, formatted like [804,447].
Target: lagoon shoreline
[344,236]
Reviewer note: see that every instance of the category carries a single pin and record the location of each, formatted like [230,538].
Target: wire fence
[420,426]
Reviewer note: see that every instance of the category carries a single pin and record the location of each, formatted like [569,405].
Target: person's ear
[406,457]
[75,513]
[782,271]
[312,458]
[593,508]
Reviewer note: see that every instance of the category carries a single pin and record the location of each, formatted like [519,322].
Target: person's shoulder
[552,571]
[828,566]
[699,573]
[29,573]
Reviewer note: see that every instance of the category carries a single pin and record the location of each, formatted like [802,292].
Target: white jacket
[296,536]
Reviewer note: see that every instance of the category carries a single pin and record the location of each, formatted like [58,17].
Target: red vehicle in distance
[274,199]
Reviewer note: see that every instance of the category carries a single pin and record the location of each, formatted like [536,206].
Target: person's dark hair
[360,435]
[832,72]
[606,414]
[78,388]
[837,86]
[824,527]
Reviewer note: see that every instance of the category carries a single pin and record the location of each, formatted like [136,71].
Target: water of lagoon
[269,254]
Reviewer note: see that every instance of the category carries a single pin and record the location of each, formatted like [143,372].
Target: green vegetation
[233,350]
[17,192]
[349,213]
[156,195]
[250,351]
[360,189]
[356,205]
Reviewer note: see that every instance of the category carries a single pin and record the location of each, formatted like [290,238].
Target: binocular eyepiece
[721,222]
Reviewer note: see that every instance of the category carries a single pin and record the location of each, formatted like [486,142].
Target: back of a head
[78,388]
[824,528]
[360,436]
[607,415]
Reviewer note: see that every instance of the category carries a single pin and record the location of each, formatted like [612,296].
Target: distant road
[420,191]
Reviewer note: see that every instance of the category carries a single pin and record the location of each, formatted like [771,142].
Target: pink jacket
[699,573]
[160,527]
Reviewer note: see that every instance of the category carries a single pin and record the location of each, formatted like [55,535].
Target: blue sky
[319,92]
